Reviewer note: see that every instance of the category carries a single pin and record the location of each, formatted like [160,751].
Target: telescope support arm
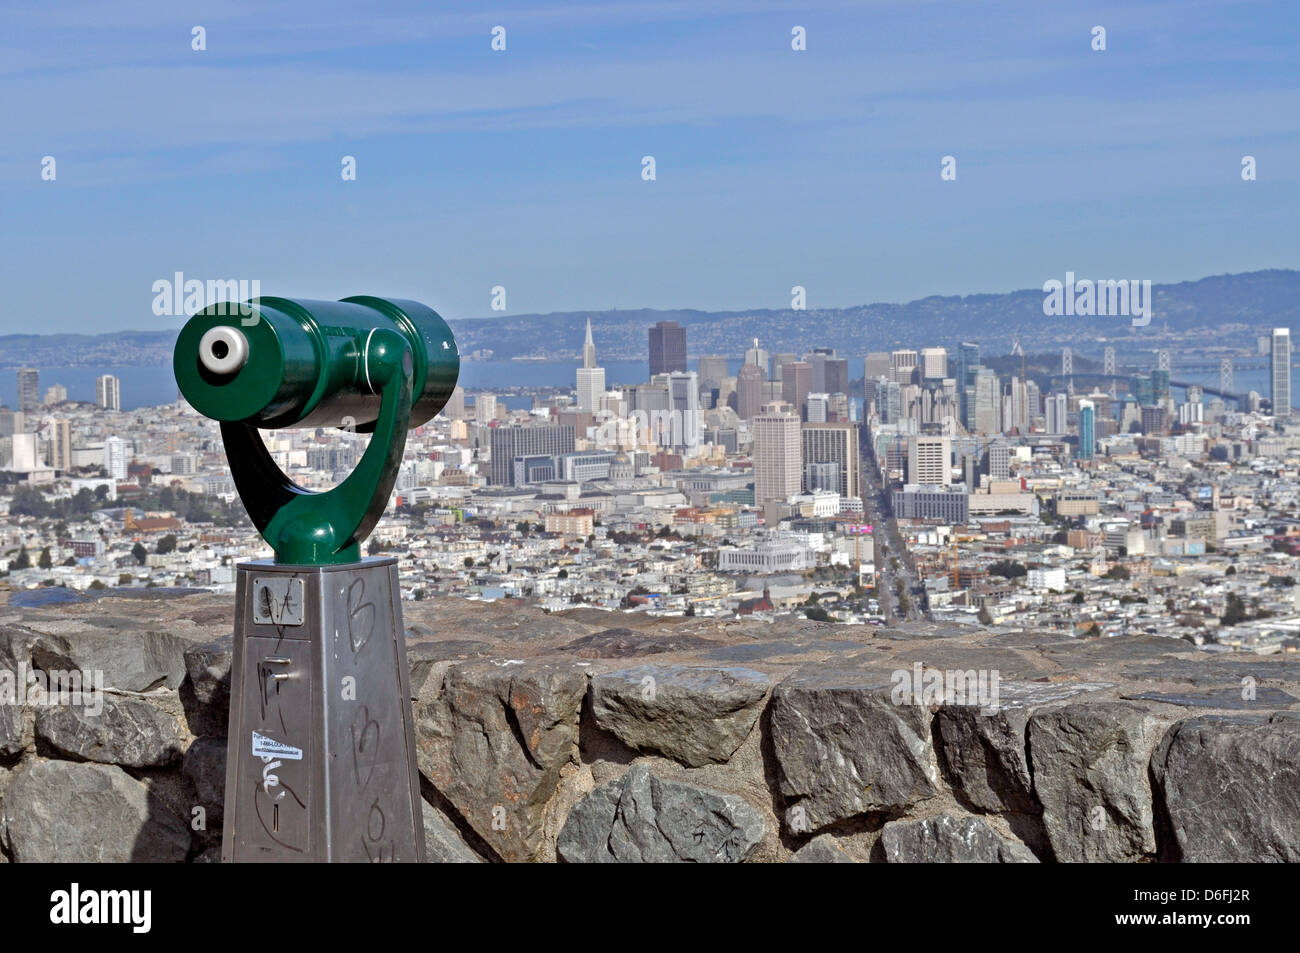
[325,528]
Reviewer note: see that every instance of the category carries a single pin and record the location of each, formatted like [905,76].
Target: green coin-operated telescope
[367,364]
[321,753]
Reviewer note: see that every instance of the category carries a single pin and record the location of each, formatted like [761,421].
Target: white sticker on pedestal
[264,747]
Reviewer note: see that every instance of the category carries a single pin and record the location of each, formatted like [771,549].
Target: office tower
[1160,383]
[796,382]
[667,348]
[56,395]
[588,349]
[591,379]
[108,392]
[1087,430]
[778,453]
[934,363]
[830,450]
[902,366]
[818,408]
[61,444]
[1155,422]
[11,422]
[1058,409]
[839,410]
[712,371]
[749,390]
[837,375]
[591,388]
[485,409]
[116,457]
[1017,417]
[876,365]
[999,461]
[929,460]
[816,360]
[684,430]
[779,361]
[759,358]
[522,441]
[968,358]
[455,409]
[29,389]
[986,411]
[891,404]
[1279,363]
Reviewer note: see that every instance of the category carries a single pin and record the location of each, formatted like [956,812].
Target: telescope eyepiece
[223,350]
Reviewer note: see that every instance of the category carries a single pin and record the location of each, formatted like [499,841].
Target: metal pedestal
[321,755]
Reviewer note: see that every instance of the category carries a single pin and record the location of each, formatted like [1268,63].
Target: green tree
[96,584]
[44,560]
[817,614]
[985,617]
[23,560]
[1078,599]
[140,553]
[166,545]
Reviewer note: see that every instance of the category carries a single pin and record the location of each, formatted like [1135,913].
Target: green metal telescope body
[373,365]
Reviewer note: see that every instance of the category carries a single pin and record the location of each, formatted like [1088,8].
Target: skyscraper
[876,365]
[29,389]
[837,375]
[929,461]
[61,444]
[777,455]
[836,445]
[591,379]
[1280,372]
[1087,430]
[108,392]
[667,348]
[796,382]
[759,358]
[902,366]
[116,459]
[485,409]
[749,390]
[934,363]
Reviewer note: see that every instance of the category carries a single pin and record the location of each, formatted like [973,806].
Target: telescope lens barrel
[300,363]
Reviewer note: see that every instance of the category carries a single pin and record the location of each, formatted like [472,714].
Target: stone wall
[593,736]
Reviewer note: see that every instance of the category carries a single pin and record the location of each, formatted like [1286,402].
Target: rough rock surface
[493,742]
[641,818]
[205,767]
[843,748]
[1230,787]
[131,660]
[442,842]
[129,732]
[1090,774]
[949,839]
[59,812]
[693,714]
[511,751]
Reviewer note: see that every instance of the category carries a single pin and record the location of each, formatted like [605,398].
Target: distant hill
[1218,309]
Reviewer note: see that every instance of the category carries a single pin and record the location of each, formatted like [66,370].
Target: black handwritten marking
[361,616]
[364,743]
[261,799]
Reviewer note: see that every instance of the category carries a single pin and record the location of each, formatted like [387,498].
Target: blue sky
[522,168]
